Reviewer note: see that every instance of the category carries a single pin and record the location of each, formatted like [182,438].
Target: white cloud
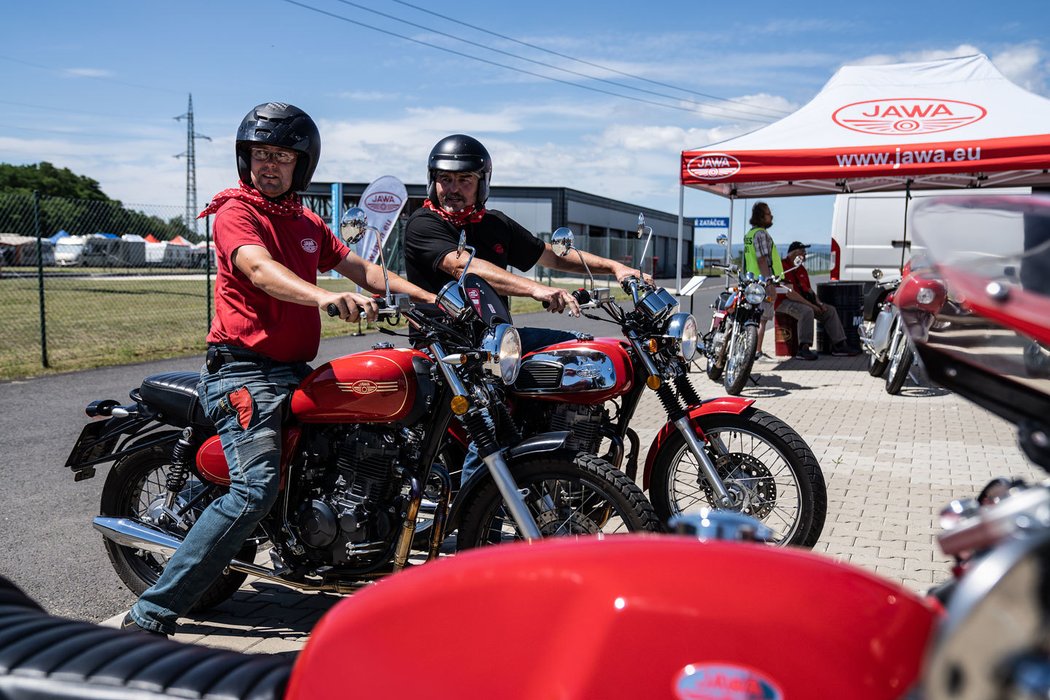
[917,56]
[1024,65]
[89,73]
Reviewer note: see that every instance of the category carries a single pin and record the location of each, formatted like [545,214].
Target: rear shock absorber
[179,473]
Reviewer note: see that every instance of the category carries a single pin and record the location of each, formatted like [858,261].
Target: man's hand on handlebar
[556,300]
[349,306]
[622,272]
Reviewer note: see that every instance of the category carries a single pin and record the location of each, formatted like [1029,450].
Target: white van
[868,231]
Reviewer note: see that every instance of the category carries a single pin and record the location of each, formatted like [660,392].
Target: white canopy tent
[951,123]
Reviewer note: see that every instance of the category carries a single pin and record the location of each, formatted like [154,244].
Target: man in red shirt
[267,326]
[802,305]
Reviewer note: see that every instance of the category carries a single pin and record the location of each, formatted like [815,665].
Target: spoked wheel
[567,495]
[741,358]
[769,470]
[135,488]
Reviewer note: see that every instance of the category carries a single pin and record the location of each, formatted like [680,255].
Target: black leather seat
[51,657]
[174,395]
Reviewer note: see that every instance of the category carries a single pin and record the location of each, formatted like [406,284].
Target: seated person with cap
[802,304]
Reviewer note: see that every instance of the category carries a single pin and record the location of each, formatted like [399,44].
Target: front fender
[722,404]
[544,442]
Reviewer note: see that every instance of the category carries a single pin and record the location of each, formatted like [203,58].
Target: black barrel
[848,299]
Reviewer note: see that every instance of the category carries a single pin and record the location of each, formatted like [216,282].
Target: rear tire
[568,495]
[133,488]
[767,466]
[876,367]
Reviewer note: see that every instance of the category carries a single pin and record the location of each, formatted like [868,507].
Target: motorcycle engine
[584,423]
[349,512]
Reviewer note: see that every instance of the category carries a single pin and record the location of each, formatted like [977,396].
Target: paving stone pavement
[890,462]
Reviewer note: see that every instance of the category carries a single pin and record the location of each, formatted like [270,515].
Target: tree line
[72,203]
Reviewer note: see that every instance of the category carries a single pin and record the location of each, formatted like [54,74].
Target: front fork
[490,453]
[681,421]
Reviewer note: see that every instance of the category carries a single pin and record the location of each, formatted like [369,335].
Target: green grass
[98,322]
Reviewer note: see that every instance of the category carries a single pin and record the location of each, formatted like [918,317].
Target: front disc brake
[749,483]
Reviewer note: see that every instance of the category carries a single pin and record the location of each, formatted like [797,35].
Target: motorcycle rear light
[100,408]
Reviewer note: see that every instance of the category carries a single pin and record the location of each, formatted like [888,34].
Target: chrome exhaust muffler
[134,533]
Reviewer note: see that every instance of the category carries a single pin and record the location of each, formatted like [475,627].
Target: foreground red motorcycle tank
[577,371]
[571,620]
[369,387]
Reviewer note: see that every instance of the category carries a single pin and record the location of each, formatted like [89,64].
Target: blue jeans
[531,339]
[245,400]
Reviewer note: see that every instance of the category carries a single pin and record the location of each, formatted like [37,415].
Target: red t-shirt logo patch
[309,245]
[498,249]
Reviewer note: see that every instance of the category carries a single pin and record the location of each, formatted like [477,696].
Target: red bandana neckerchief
[458,219]
[287,206]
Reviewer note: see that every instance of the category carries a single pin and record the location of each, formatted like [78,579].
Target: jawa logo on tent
[383,202]
[908,115]
[713,166]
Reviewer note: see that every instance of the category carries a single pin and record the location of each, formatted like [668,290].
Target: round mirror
[876,273]
[722,240]
[353,225]
[561,241]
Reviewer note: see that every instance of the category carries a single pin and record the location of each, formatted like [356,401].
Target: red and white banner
[383,200]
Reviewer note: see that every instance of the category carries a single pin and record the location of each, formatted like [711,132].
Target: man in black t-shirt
[458,174]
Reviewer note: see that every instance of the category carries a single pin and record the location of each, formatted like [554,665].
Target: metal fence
[91,283]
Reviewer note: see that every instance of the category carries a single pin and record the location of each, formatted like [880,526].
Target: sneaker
[128,624]
[805,353]
[843,350]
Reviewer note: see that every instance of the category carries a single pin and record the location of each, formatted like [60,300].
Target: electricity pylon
[191,167]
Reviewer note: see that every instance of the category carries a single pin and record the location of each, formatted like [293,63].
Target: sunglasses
[283,157]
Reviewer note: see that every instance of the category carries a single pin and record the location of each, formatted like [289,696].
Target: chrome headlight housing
[503,345]
[682,330]
[755,293]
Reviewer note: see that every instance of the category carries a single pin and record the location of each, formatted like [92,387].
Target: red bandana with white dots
[289,205]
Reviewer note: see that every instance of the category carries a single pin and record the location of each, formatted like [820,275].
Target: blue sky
[94,86]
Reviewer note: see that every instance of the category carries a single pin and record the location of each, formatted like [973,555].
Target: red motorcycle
[720,453]
[361,450]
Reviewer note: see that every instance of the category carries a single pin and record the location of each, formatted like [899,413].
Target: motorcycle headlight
[682,330]
[503,345]
[755,293]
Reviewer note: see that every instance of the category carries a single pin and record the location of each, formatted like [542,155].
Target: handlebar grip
[546,304]
[582,296]
[332,310]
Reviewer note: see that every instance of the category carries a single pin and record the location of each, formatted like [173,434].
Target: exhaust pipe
[139,535]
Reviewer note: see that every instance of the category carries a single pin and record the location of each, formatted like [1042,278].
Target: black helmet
[285,126]
[460,153]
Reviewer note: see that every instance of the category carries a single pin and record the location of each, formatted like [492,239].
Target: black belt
[221,353]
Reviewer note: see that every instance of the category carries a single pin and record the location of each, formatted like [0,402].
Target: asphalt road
[47,544]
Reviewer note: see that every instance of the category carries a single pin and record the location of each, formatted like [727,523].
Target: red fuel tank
[376,386]
[577,371]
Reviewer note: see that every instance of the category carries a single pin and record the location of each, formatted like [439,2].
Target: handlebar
[384,310]
[582,297]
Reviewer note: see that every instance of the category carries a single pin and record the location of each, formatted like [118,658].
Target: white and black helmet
[460,153]
[285,126]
